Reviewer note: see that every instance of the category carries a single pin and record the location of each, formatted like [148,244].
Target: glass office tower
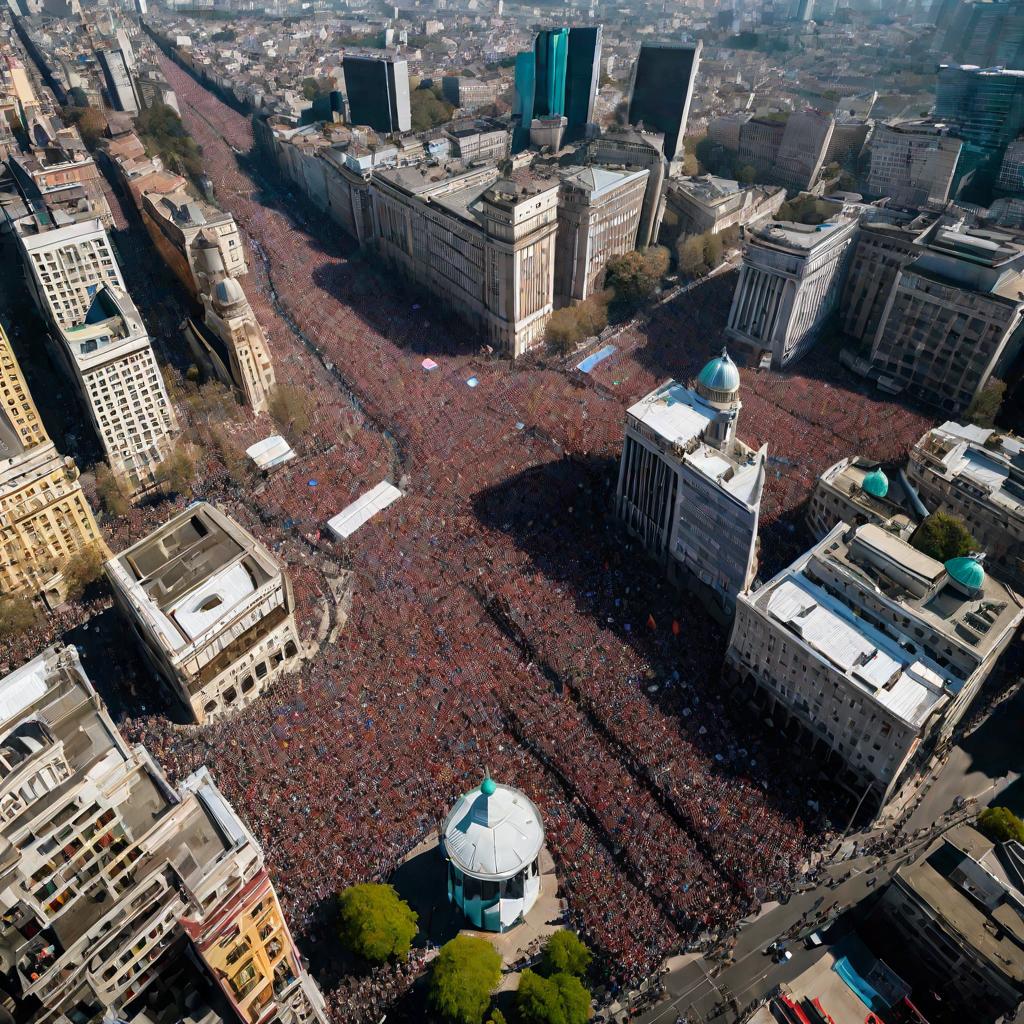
[662,90]
[583,73]
[551,51]
[377,89]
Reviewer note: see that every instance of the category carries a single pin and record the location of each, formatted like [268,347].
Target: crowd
[499,617]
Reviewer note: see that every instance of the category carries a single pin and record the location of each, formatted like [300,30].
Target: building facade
[484,245]
[689,489]
[854,491]
[662,90]
[871,651]
[790,282]
[45,519]
[952,319]
[977,474]
[109,357]
[598,216]
[118,80]
[212,610]
[694,206]
[120,892]
[634,149]
[913,163]
[377,91]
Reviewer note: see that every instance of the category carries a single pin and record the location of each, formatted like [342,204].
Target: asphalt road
[977,768]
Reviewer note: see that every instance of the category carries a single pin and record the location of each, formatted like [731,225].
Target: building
[65,266]
[109,358]
[760,139]
[582,78]
[121,894]
[913,162]
[952,319]
[986,33]
[492,841]
[551,58]
[183,227]
[522,110]
[803,149]
[709,204]
[662,91]
[855,491]
[790,282]
[632,148]
[869,651]
[598,216]
[977,474]
[1011,171]
[483,244]
[377,92]
[469,93]
[688,488]
[45,519]
[118,80]
[881,250]
[987,106]
[211,608]
[478,140]
[958,916]
[231,345]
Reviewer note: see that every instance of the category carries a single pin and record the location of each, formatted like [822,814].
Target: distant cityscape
[512,514]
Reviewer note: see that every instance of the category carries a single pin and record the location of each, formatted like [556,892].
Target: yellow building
[44,517]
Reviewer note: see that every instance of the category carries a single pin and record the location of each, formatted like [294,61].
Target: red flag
[651,624]
[676,628]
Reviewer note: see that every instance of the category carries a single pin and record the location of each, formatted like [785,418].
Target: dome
[493,831]
[876,483]
[227,292]
[967,571]
[720,374]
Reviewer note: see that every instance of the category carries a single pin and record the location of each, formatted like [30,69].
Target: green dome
[488,786]
[720,374]
[967,571]
[876,483]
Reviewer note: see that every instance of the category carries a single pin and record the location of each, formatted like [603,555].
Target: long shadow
[559,513]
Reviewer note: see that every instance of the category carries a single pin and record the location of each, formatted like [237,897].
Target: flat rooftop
[800,237]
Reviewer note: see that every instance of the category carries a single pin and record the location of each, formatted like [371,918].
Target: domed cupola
[967,573]
[719,381]
[875,483]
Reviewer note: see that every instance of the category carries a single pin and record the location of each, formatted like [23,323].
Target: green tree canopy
[568,326]
[985,405]
[375,923]
[428,108]
[465,973]
[17,614]
[634,276]
[943,536]
[163,135]
[565,953]
[560,999]
[1001,825]
[690,255]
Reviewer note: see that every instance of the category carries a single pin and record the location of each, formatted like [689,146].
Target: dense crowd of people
[499,615]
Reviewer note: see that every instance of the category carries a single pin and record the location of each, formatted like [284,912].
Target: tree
[428,108]
[943,536]
[111,491]
[290,407]
[746,175]
[690,255]
[465,973]
[163,135]
[84,567]
[560,999]
[90,122]
[985,405]
[496,1017]
[568,326]
[634,276]
[565,953]
[375,923]
[17,614]
[177,472]
[1001,825]
[713,250]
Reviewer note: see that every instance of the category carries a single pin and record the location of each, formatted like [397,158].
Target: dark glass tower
[551,51]
[378,92]
[582,76]
[662,90]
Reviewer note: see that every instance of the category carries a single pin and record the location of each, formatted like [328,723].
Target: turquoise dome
[488,786]
[967,571]
[876,483]
[720,374]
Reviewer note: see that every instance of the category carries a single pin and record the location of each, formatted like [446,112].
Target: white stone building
[492,841]
[913,163]
[598,216]
[688,488]
[871,651]
[790,282]
[212,609]
[977,474]
[109,357]
[855,491]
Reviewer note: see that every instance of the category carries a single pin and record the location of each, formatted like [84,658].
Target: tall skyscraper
[987,106]
[989,33]
[377,89]
[583,75]
[526,78]
[662,90]
[551,53]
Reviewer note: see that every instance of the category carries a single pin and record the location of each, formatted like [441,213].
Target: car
[771,949]
[782,956]
[813,940]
